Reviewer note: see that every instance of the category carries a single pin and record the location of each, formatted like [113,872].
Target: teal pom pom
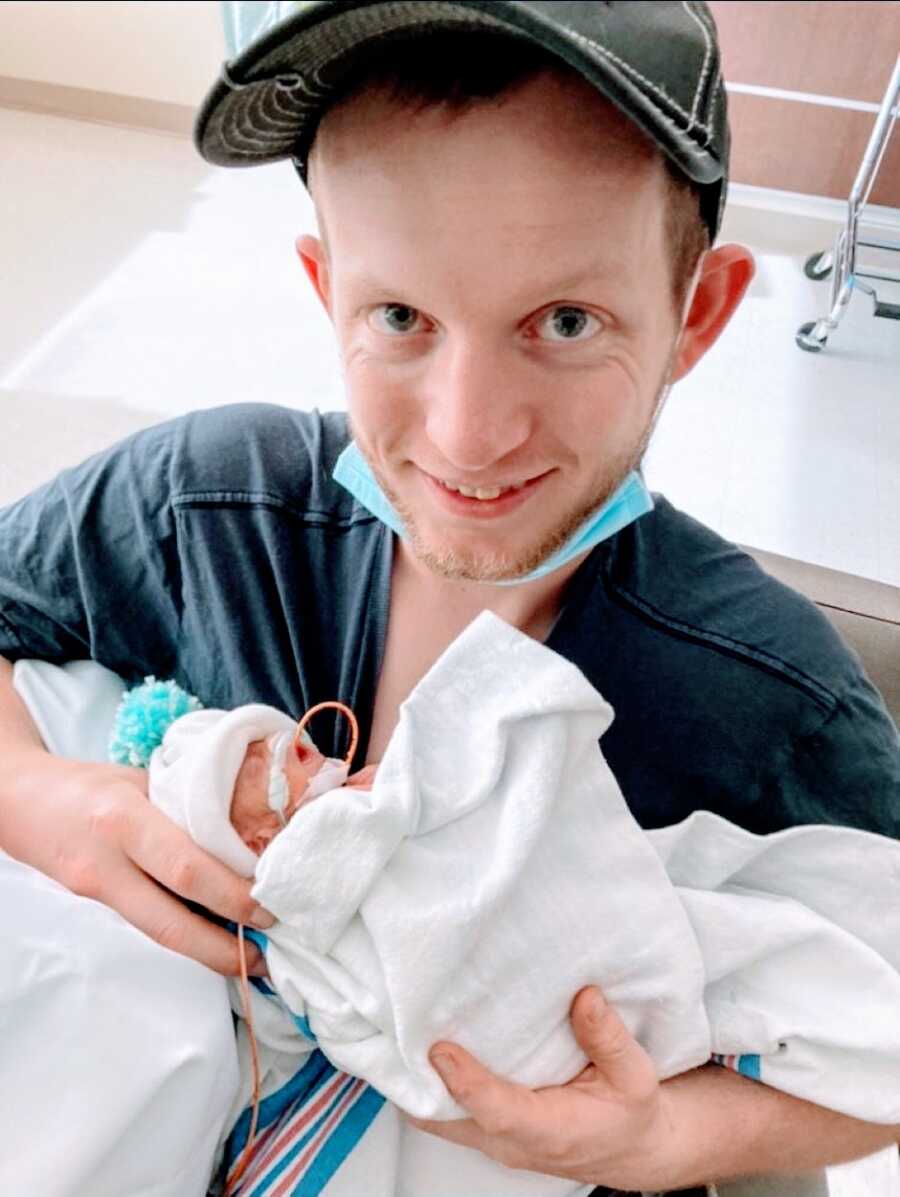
[144,716]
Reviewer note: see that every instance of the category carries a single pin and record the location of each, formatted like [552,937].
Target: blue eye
[568,323]
[395,318]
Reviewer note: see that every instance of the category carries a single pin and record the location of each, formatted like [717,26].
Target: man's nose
[477,406]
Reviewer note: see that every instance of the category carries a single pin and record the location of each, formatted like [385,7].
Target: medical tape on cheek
[330,776]
[279,791]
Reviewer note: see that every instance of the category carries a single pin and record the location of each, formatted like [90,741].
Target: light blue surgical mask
[623,507]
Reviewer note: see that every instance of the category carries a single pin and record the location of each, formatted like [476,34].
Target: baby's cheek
[249,799]
[253,774]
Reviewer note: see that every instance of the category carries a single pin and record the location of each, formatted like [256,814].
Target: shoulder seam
[749,654]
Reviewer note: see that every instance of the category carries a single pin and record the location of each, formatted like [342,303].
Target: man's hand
[616,1125]
[91,828]
[606,1126]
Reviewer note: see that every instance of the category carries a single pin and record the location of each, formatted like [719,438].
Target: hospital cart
[847,274]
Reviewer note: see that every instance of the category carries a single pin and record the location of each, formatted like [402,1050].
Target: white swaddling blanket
[494,869]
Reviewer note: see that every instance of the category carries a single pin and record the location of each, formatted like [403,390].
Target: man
[515,280]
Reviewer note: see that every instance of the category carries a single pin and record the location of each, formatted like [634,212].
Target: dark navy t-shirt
[216,549]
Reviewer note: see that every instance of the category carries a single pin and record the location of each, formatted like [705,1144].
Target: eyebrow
[369,282]
[596,271]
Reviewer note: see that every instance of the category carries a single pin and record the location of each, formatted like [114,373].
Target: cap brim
[270,99]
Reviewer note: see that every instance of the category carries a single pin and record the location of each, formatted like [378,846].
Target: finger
[497,1107]
[166,853]
[172,925]
[610,1046]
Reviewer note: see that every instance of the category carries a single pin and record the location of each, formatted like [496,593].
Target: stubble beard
[461,566]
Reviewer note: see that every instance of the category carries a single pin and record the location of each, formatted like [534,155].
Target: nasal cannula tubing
[241,1166]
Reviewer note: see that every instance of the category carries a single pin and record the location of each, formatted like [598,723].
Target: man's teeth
[482,492]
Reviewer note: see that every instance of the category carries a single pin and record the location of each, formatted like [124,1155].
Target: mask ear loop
[241,1166]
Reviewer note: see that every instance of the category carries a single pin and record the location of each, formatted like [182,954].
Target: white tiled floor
[138,282]
[789,451]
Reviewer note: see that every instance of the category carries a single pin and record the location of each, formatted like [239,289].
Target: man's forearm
[726,1126]
[89,826]
[20,743]
[16,725]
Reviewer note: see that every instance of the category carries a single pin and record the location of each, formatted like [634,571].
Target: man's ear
[725,274]
[314,260]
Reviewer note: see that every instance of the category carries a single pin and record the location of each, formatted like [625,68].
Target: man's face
[500,289]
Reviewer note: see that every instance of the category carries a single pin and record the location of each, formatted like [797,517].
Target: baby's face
[251,816]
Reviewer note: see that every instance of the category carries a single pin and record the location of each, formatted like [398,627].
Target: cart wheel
[818,266]
[809,343]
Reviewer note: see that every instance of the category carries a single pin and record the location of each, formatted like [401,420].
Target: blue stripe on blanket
[284,1160]
[341,1142]
[262,942]
[258,937]
[304,1026]
[306,1131]
[750,1066]
[303,1084]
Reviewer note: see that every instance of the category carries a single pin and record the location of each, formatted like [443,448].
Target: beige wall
[170,50]
[841,49]
[161,50]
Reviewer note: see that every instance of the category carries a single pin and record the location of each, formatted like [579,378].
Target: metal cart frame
[847,276]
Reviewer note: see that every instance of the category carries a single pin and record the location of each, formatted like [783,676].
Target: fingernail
[443,1064]
[261,918]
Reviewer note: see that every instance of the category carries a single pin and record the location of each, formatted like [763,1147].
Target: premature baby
[276,778]
[234,779]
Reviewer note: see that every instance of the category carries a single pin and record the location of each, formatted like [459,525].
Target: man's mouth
[484,502]
[484,493]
